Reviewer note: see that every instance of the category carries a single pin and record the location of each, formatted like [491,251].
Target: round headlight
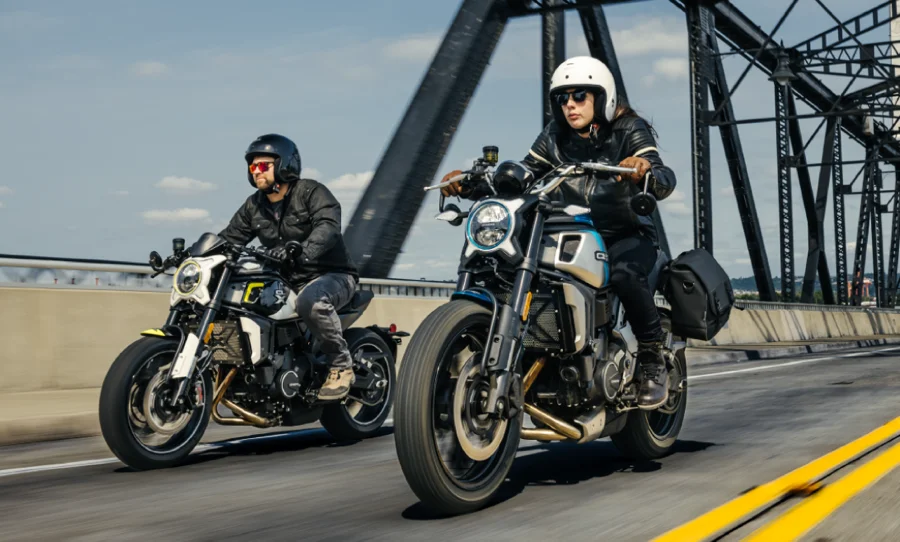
[489,225]
[187,278]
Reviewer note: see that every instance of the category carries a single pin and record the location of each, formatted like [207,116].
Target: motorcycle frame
[509,321]
[172,329]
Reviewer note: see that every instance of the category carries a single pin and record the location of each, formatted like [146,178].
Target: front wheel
[136,419]
[362,413]
[453,456]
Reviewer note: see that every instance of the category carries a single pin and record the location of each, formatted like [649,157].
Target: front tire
[133,417]
[437,465]
[350,419]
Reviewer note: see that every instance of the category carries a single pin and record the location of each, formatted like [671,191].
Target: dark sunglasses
[578,95]
[262,167]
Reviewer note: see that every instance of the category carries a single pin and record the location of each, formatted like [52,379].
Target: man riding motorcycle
[288,208]
[591,125]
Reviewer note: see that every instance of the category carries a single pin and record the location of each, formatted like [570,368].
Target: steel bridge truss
[382,219]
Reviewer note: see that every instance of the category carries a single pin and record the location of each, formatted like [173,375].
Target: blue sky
[124,123]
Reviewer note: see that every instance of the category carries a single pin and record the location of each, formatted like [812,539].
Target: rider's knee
[627,276]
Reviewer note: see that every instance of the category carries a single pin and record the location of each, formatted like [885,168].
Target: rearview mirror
[156,261]
[643,204]
[451,214]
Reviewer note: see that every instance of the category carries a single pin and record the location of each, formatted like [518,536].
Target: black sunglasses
[578,95]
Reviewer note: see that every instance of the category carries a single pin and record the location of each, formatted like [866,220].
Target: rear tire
[337,418]
[446,480]
[651,434]
[121,413]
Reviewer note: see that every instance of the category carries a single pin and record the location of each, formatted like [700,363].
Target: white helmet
[586,72]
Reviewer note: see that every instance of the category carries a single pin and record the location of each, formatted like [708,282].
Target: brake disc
[478,435]
[158,420]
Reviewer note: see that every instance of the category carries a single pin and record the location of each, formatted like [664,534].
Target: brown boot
[337,385]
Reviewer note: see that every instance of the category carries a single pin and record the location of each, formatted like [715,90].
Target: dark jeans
[631,261]
[317,303]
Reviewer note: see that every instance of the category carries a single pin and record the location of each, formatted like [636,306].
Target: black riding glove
[279,253]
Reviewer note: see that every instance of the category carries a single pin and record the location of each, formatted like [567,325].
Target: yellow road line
[756,499]
[804,516]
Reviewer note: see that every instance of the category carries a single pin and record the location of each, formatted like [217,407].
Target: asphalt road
[744,428]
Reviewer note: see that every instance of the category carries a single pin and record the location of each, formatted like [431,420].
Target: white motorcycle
[232,339]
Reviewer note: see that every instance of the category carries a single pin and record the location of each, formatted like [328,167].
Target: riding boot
[654,390]
[338,383]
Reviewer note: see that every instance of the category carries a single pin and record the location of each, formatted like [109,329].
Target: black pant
[631,261]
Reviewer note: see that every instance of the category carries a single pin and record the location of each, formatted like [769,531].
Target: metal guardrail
[382,287]
[769,306]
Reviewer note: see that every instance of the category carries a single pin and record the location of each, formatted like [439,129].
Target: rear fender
[391,338]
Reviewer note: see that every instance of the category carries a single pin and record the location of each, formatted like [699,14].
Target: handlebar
[603,167]
[254,252]
[160,266]
[448,182]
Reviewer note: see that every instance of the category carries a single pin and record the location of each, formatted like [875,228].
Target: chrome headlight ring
[489,225]
[188,278]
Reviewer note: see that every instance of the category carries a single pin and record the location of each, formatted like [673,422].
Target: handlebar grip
[611,169]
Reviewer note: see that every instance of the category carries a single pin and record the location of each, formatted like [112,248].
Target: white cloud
[676,204]
[5,191]
[671,67]
[311,173]
[150,68]
[656,35]
[184,184]
[743,261]
[414,48]
[178,215]
[351,181]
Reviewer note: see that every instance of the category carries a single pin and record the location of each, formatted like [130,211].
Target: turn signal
[527,307]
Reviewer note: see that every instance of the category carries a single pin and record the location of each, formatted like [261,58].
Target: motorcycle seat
[358,303]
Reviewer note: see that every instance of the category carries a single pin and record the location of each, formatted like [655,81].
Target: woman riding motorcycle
[591,125]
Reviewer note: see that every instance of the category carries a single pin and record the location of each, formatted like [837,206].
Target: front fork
[186,359]
[504,346]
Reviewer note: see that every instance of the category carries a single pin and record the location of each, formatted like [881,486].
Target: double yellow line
[809,512]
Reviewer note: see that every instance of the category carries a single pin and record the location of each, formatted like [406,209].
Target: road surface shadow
[565,464]
[270,443]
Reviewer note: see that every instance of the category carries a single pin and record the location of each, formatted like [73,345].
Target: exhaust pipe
[247,417]
[541,434]
[560,426]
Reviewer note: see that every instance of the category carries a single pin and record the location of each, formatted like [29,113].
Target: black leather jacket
[310,215]
[608,199]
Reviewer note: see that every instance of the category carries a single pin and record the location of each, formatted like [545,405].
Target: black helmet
[512,177]
[287,157]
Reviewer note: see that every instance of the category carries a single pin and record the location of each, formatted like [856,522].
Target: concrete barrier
[59,343]
[750,327]
[56,339]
